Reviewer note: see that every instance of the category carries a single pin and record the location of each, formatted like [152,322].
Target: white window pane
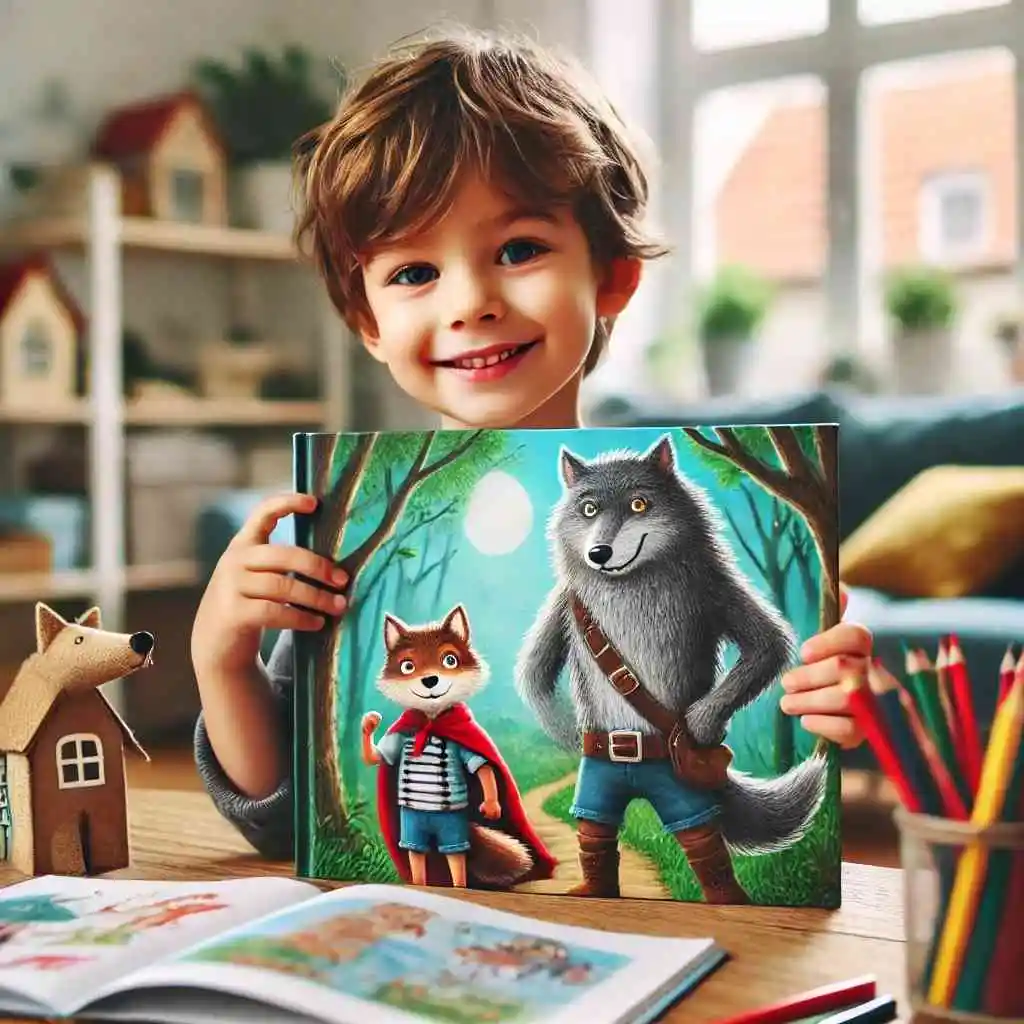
[879,12]
[720,24]
[940,194]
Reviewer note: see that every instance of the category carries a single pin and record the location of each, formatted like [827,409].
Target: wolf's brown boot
[599,860]
[709,857]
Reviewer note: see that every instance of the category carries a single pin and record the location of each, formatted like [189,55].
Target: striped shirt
[436,779]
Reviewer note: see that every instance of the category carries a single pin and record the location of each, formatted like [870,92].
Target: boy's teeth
[479,362]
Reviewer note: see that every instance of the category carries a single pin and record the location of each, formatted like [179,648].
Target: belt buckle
[619,734]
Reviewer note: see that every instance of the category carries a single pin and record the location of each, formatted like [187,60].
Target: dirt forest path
[638,876]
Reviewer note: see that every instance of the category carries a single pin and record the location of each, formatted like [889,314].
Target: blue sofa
[884,441]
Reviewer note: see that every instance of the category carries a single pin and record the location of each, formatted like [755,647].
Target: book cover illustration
[560,667]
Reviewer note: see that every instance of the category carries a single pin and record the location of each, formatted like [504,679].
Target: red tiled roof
[12,275]
[136,128]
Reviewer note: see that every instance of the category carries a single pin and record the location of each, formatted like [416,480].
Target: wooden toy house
[63,797]
[171,157]
[40,328]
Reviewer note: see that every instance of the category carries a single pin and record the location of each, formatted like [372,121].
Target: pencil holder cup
[963,902]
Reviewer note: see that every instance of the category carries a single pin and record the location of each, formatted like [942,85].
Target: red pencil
[862,703]
[811,1003]
[968,735]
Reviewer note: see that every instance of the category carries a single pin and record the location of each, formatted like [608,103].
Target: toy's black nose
[429,681]
[600,553]
[141,643]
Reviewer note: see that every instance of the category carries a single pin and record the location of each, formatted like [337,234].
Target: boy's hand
[250,590]
[813,691]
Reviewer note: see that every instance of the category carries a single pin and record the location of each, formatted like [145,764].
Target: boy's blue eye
[418,274]
[520,251]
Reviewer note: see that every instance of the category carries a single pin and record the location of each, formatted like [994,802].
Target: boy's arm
[265,822]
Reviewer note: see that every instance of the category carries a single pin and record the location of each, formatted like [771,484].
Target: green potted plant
[730,309]
[262,107]
[921,302]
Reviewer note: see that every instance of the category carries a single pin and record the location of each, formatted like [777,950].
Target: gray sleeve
[266,823]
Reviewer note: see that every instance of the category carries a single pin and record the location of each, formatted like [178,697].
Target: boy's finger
[837,728]
[288,558]
[823,673]
[825,700]
[260,524]
[271,615]
[269,586]
[846,638]
[844,600]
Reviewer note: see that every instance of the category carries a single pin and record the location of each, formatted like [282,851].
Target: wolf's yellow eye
[589,509]
[638,505]
[407,667]
[450,661]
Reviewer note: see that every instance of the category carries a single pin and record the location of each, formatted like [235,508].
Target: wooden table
[775,952]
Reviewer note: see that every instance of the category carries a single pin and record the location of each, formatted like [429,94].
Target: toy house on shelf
[171,158]
[40,328]
[63,798]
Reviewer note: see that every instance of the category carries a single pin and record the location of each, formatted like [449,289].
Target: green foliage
[531,757]
[921,298]
[359,856]
[732,304]
[807,874]
[265,105]
[757,442]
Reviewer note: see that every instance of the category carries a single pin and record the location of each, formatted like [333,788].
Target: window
[79,761]
[36,350]
[880,12]
[954,217]
[720,24]
[187,194]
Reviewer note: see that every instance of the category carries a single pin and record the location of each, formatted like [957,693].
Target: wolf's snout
[599,554]
[141,643]
[429,681]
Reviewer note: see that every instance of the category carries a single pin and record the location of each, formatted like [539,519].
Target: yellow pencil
[1000,759]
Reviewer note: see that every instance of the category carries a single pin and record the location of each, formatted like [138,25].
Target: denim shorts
[605,788]
[423,831]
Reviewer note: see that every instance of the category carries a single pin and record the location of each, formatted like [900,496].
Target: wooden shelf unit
[42,586]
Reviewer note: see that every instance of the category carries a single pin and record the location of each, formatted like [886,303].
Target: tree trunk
[785,742]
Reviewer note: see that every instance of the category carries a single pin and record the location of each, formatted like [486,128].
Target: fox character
[446,797]
[639,546]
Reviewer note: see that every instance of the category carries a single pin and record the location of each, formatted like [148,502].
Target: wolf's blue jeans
[605,788]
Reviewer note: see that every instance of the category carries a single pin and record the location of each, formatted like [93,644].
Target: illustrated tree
[798,466]
[365,485]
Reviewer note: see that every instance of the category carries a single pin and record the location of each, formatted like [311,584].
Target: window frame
[81,760]
[840,56]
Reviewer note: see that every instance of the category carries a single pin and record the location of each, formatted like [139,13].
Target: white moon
[499,515]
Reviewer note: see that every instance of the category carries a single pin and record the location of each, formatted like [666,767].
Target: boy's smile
[487,316]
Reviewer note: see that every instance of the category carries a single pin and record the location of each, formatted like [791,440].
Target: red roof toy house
[40,327]
[171,157]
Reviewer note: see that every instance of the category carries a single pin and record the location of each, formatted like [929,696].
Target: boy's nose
[474,302]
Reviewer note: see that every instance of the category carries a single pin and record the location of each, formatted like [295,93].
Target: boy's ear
[618,283]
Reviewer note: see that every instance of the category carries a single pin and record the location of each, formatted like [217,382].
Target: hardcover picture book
[262,949]
[559,670]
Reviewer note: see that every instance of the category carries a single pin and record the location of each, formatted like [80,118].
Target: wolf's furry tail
[764,815]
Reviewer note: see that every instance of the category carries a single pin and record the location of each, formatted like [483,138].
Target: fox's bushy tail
[765,815]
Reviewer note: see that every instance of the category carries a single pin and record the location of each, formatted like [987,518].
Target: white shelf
[18,587]
[77,411]
[146,233]
[162,576]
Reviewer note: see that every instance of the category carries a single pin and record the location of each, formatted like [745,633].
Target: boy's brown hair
[386,165]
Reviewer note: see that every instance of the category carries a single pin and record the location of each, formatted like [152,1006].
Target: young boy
[475,208]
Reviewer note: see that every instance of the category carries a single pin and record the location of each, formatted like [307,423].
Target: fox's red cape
[458,725]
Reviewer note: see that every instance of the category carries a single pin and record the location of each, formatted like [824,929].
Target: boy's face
[487,318]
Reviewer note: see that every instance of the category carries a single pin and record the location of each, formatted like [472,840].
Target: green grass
[807,874]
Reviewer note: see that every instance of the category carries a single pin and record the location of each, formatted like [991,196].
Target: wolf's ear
[90,618]
[572,467]
[663,453]
[48,625]
[395,631]
[458,622]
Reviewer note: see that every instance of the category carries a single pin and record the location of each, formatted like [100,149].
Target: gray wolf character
[646,594]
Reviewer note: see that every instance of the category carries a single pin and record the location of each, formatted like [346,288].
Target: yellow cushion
[947,533]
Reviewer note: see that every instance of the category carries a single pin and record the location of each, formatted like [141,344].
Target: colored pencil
[968,732]
[807,1004]
[1000,760]
[866,713]
[942,683]
[1006,673]
[1004,993]
[876,1011]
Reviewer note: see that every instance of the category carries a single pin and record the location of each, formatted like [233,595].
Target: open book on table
[260,949]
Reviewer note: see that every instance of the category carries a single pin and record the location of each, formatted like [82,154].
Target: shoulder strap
[620,675]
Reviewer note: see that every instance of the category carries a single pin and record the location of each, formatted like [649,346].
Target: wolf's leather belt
[625,746]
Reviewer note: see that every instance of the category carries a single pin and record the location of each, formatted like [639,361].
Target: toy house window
[79,761]
[36,350]
[955,215]
[187,194]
